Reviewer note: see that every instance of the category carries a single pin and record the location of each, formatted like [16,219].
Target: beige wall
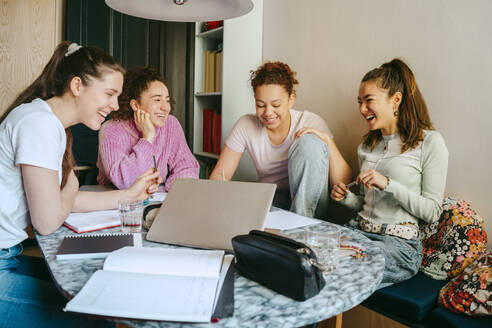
[29,32]
[447,43]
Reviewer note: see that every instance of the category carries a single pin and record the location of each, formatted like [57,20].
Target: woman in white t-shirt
[286,145]
[37,182]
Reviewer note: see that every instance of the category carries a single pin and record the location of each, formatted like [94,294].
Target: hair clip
[73,47]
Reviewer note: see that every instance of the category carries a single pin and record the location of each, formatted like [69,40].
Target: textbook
[154,283]
[91,221]
[95,246]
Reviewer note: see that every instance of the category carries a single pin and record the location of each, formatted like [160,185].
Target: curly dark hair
[274,73]
[137,80]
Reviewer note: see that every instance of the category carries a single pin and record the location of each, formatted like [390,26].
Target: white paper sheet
[146,296]
[158,197]
[283,220]
[170,261]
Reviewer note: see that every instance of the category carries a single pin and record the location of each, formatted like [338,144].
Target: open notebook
[155,284]
[91,221]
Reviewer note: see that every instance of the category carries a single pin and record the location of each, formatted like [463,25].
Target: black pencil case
[279,263]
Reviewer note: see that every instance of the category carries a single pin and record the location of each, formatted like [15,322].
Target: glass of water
[131,212]
[325,242]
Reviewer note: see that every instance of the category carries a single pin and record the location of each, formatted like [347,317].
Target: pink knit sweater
[124,154]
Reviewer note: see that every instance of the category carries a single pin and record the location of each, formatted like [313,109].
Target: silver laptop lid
[207,214]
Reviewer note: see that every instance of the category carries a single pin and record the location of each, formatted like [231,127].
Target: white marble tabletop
[254,305]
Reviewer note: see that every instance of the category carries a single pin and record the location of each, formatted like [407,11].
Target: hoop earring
[395,112]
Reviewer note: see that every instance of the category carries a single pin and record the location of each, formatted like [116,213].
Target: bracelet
[387,184]
[359,252]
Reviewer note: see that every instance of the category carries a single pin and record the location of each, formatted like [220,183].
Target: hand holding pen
[340,190]
[157,180]
[144,185]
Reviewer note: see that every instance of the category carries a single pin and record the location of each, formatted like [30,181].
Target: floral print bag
[470,292]
[454,242]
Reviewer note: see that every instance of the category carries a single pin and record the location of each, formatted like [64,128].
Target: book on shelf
[95,246]
[213,132]
[91,221]
[173,284]
[218,72]
[217,132]
[212,127]
[206,73]
[211,25]
[207,130]
[211,71]
[206,167]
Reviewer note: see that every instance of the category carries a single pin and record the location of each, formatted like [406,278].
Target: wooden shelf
[234,97]
[216,33]
[204,154]
[208,94]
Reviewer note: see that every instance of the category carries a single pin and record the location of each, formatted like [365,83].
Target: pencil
[223,176]
[351,184]
[155,165]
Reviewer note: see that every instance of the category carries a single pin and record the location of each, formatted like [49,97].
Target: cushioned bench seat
[408,302]
[440,317]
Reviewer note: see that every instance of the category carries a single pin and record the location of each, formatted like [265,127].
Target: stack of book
[211,131]
[213,71]
[206,167]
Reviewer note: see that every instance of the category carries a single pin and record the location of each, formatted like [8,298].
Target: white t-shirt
[271,161]
[31,134]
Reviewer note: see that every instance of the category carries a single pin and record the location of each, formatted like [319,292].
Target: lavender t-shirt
[271,161]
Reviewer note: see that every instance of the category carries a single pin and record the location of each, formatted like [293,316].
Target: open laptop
[207,214]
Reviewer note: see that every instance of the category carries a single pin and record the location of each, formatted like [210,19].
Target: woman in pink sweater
[140,129]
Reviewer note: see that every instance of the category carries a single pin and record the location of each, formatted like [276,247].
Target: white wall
[447,43]
[242,51]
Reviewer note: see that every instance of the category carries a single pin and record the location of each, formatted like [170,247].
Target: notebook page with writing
[147,296]
[182,262]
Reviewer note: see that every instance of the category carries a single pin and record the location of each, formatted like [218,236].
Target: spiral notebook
[95,246]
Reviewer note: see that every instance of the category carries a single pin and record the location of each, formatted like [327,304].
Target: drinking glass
[325,242]
[131,212]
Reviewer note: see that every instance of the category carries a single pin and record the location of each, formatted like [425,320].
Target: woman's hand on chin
[144,125]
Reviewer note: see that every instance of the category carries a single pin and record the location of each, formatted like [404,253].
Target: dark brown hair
[137,80]
[274,73]
[413,115]
[86,63]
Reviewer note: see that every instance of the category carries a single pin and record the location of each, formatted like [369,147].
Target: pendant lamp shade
[182,10]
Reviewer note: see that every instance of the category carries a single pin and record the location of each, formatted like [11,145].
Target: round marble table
[254,305]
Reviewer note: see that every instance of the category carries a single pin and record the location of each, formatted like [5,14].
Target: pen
[351,184]
[155,170]
[223,176]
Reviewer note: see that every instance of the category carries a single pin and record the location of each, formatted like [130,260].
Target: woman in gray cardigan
[403,165]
